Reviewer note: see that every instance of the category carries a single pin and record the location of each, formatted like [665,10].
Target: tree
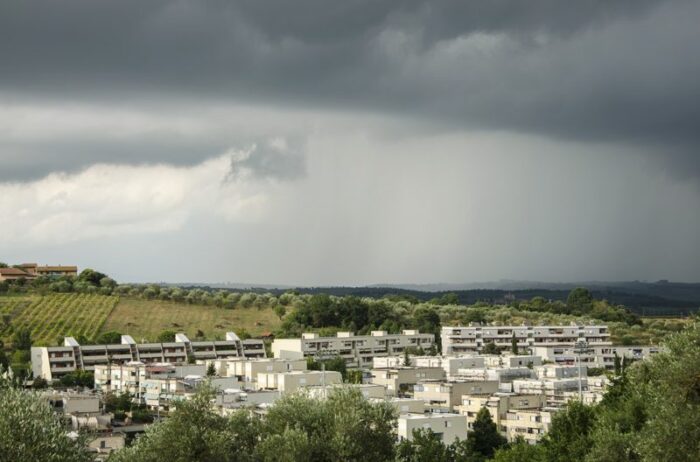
[192,433]
[166,336]
[519,451]
[108,282]
[39,383]
[211,370]
[579,299]
[514,345]
[424,446]
[618,364]
[79,378]
[406,358]
[654,411]
[569,434]
[490,348]
[91,276]
[432,351]
[354,376]
[333,364]
[345,426]
[30,430]
[446,299]
[485,437]
[109,338]
[22,340]
[280,311]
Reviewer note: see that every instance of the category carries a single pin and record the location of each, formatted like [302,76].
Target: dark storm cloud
[622,71]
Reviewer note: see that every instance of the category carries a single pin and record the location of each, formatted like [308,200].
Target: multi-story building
[406,405]
[450,364]
[503,375]
[247,370]
[54,362]
[130,377]
[557,392]
[471,339]
[598,355]
[446,396]
[289,382]
[447,427]
[402,379]
[498,404]
[531,424]
[357,350]
[368,390]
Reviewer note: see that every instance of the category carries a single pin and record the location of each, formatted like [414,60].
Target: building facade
[446,427]
[357,350]
[472,339]
[54,362]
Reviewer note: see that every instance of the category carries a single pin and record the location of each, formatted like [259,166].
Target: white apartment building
[471,339]
[498,404]
[406,405]
[599,355]
[53,362]
[130,377]
[247,370]
[446,396]
[357,350]
[556,391]
[531,424]
[503,375]
[509,360]
[290,382]
[231,400]
[450,364]
[402,379]
[447,427]
[368,390]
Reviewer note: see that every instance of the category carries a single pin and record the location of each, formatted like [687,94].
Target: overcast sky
[356,142]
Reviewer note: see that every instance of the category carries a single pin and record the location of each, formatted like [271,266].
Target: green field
[50,317]
[145,319]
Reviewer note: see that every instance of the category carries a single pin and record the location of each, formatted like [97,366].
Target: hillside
[50,317]
[147,318]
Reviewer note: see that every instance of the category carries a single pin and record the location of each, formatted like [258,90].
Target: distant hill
[662,298]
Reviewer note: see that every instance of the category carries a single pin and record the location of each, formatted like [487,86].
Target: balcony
[60,370]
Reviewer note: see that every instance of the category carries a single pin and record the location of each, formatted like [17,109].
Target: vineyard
[51,317]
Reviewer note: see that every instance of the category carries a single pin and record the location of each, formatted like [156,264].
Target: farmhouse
[33,270]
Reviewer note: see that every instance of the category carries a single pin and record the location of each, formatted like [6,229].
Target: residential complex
[472,339]
[54,362]
[443,394]
[357,350]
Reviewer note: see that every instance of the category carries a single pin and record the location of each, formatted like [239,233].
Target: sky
[351,143]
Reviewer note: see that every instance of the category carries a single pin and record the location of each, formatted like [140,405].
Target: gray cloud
[431,140]
[589,70]
[272,159]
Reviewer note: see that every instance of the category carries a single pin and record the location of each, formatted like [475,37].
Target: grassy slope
[147,318]
[53,316]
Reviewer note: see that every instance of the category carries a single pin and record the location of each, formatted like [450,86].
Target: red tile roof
[13,272]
